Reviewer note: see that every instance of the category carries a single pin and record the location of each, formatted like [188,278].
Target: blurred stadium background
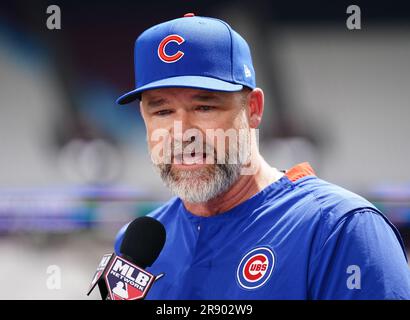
[74,166]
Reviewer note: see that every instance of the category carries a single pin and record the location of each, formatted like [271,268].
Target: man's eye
[204,108]
[162,112]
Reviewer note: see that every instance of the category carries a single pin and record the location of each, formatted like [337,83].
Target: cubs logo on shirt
[255,268]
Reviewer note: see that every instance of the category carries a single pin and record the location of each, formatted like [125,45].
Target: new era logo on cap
[193,52]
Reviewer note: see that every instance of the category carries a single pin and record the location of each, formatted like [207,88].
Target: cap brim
[196,82]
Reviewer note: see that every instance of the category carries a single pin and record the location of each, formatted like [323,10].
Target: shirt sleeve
[361,258]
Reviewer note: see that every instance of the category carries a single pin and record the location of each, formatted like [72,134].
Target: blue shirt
[299,238]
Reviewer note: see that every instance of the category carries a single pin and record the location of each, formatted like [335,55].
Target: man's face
[203,161]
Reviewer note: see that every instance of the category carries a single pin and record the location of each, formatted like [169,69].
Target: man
[239,228]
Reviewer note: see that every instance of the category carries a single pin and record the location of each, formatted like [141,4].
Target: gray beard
[202,185]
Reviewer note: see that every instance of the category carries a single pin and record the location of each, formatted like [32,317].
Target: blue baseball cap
[191,52]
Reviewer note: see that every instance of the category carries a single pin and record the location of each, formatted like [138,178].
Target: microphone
[143,241]
[123,277]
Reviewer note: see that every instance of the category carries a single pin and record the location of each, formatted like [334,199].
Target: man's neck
[244,188]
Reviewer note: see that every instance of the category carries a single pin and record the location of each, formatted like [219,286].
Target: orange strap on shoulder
[299,171]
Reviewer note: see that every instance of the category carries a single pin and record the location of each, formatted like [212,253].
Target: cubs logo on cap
[191,52]
[162,54]
[255,268]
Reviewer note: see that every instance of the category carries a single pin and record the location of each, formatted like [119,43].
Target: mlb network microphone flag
[119,279]
[99,272]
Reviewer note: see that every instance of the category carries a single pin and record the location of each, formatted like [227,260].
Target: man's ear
[255,103]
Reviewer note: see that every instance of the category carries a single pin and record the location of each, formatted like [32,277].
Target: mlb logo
[126,281]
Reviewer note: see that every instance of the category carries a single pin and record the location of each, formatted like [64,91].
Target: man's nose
[182,123]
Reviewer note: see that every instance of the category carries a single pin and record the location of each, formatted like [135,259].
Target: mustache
[178,148]
[177,151]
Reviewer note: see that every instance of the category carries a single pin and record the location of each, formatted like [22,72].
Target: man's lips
[189,158]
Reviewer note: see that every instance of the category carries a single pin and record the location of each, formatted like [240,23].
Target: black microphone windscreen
[143,241]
